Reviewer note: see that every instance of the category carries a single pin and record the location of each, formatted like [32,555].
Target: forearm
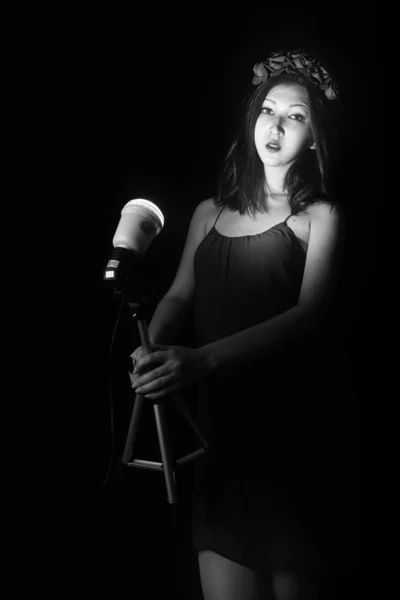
[227,355]
[168,320]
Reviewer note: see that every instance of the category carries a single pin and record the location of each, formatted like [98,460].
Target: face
[284,121]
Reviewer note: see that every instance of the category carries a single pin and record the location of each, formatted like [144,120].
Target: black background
[155,94]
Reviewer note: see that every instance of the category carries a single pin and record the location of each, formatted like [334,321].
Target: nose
[276,127]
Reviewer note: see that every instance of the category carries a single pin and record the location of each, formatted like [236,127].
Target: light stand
[138,311]
[140,222]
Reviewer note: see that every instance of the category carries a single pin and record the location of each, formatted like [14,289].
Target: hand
[135,356]
[167,368]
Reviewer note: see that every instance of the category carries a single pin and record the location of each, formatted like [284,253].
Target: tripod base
[158,466]
[167,465]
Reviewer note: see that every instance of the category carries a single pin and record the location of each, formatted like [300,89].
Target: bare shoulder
[201,216]
[326,226]
[207,207]
[324,212]
[206,212]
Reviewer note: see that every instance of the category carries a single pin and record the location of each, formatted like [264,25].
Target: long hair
[241,183]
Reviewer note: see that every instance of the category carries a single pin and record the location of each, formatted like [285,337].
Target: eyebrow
[273,101]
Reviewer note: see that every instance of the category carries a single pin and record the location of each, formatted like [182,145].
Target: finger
[162,393]
[156,374]
[161,347]
[155,385]
[149,360]
[151,356]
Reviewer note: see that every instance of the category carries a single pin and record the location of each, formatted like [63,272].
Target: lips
[273,145]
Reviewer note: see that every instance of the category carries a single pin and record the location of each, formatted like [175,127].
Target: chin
[271,161]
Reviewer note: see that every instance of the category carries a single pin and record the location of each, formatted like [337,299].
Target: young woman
[260,263]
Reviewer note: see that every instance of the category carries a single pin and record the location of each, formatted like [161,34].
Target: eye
[267,110]
[300,117]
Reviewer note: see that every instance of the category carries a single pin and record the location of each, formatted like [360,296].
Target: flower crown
[300,64]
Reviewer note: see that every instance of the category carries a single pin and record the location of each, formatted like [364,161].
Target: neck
[277,204]
[276,198]
[274,179]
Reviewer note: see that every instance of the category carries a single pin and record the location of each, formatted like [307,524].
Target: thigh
[288,586]
[224,579]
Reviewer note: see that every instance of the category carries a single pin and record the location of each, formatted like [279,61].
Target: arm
[168,320]
[177,366]
[173,310]
[320,275]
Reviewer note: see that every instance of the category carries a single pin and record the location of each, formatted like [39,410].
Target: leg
[224,579]
[287,586]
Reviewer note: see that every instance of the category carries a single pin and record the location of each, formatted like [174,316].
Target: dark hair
[308,179]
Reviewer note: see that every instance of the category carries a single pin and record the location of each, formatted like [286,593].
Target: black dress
[263,493]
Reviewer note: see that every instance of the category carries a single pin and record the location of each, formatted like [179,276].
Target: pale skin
[284,117]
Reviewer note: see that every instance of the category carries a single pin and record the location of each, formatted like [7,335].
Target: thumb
[159,347]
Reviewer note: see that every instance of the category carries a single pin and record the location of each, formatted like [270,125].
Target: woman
[260,263]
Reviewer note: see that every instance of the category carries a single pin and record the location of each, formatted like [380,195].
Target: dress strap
[218,216]
[287,218]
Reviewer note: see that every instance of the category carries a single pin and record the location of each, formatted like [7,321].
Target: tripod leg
[165,452]
[133,427]
[185,411]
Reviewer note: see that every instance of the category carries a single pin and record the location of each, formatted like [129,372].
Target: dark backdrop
[156,92]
